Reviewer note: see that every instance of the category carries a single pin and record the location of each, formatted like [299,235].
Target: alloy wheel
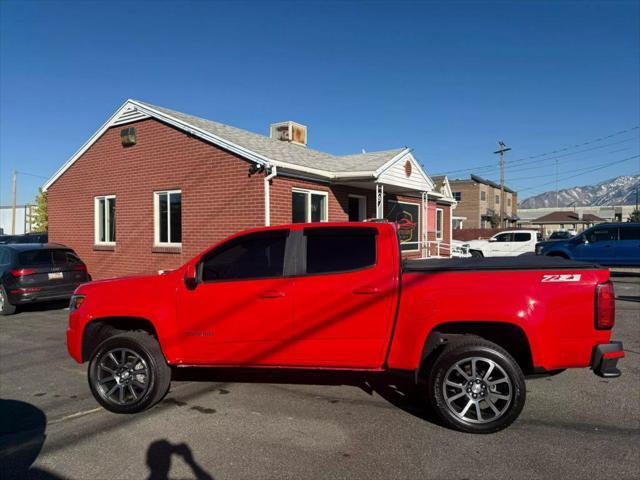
[122,376]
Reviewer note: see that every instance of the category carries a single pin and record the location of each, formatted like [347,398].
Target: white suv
[509,243]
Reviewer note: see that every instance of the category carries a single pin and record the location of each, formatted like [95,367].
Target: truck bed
[523,262]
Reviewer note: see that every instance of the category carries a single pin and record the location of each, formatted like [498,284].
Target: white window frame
[156,218]
[362,205]
[440,213]
[96,217]
[308,193]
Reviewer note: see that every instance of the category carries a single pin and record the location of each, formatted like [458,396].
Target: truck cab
[509,243]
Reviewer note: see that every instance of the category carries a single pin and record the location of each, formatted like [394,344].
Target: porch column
[425,224]
[379,201]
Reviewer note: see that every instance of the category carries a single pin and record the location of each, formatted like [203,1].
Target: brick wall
[163,158]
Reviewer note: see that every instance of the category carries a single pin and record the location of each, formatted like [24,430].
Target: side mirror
[190,280]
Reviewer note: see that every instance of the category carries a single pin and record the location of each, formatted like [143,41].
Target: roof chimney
[291,132]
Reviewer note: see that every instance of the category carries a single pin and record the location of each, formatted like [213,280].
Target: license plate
[55,275]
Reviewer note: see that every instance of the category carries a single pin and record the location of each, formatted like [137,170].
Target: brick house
[478,203]
[153,187]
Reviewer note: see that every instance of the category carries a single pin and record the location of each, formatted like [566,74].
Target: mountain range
[615,191]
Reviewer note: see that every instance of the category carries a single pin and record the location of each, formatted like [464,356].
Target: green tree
[635,216]
[39,213]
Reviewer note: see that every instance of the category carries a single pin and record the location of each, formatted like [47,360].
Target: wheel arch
[509,336]
[99,329]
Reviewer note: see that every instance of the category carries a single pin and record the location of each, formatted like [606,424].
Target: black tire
[491,387]
[476,254]
[137,352]
[6,308]
[558,255]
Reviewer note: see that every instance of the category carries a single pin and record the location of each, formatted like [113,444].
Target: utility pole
[503,149]
[13,208]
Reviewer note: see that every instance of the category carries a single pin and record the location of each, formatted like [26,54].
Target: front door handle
[271,294]
[366,290]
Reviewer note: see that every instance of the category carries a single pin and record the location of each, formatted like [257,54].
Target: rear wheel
[6,308]
[128,373]
[476,386]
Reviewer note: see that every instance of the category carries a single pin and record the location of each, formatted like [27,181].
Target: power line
[559,150]
[32,175]
[579,174]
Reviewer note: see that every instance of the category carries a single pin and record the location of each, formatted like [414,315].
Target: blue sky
[447,79]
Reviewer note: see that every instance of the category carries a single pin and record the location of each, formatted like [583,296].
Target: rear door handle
[271,294]
[366,290]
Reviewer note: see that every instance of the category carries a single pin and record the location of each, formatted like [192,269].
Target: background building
[478,203]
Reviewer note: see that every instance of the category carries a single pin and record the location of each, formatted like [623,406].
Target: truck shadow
[399,389]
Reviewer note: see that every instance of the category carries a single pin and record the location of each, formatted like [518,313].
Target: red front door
[240,312]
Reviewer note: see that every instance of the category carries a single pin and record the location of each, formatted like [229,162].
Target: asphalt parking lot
[281,425]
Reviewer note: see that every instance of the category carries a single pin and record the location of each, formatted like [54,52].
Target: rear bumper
[21,298]
[605,359]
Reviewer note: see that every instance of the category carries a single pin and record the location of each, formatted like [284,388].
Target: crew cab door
[500,245]
[239,312]
[345,297]
[598,245]
[627,250]
[522,242]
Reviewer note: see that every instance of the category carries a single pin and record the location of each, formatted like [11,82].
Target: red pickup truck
[337,296]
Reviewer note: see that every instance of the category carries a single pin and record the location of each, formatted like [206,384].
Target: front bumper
[605,359]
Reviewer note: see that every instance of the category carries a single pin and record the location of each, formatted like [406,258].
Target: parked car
[337,296]
[505,244]
[561,235]
[25,238]
[31,272]
[611,244]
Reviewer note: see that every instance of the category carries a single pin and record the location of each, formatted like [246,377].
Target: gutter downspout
[267,199]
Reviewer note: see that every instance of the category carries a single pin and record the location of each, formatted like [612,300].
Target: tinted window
[340,250]
[503,237]
[5,256]
[65,257]
[252,256]
[521,237]
[603,234]
[35,258]
[630,233]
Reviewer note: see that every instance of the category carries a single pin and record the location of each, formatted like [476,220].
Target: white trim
[308,193]
[441,210]
[156,218]
[362,205]
[419,205]
[404,153]
[96,221]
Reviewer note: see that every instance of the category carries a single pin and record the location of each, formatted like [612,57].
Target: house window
[483,195]
[509,201]
[439,223]
[497,199]
[457,196]
[168,218]
[308,206]
[105,220]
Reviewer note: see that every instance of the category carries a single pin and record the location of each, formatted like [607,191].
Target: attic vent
[289,132]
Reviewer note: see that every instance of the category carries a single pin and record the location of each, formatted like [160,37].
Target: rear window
[332,250]
[65,257]
[34,258]
[630,233]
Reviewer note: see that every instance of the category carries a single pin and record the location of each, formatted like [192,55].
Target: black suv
[36,272]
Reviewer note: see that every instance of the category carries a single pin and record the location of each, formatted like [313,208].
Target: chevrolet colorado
[337,296]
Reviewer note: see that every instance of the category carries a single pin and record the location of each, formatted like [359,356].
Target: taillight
[80,268]
[21,272]
[605,306]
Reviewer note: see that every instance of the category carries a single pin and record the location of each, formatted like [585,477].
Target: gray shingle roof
[283,151]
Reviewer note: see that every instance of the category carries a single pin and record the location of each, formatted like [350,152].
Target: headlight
[76,302]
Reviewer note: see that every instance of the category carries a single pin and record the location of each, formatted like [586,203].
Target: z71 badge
[570,277]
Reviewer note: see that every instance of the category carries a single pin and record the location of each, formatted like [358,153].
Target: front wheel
[128,373]
[476,386]
[476,254]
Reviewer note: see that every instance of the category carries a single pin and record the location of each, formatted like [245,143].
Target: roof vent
[291,132]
